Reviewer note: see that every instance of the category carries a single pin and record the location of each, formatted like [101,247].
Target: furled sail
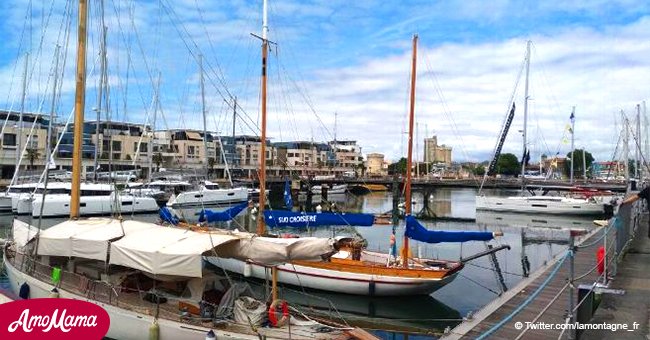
[283,218]
[415,231]
[220,216]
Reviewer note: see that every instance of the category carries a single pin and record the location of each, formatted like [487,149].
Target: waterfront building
[434,153]
[375,165]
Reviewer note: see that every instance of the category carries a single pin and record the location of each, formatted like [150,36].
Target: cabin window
[127,203]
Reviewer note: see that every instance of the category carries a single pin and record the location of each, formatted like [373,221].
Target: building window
[117,145]
[9,139]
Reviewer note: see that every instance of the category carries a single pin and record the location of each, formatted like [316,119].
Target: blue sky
[353,58]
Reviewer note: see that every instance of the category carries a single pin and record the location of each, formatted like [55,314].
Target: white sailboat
[547,204]
[115,263]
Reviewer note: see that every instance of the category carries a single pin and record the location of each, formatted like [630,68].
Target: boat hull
[59,205]
[125,324]
[337,281]
[536,205]
[209,196]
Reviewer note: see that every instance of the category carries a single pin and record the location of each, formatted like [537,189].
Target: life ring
[273,319]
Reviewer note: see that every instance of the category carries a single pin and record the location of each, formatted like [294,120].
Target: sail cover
[221,216]
[415,231]
[282,218]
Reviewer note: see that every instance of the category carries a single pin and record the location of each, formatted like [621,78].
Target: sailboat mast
[409,160]
[79,104]
[262,174]
[523,161]
[205,132]
[19,141]
[573,149]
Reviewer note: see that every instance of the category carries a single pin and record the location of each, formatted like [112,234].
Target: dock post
[572,250]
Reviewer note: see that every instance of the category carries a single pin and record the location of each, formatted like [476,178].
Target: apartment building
[346,153]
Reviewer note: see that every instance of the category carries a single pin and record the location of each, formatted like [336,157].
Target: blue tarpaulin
[415,231]
[282,218]
[221,216]
[167,216]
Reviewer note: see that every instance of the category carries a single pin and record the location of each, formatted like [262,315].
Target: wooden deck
[499,309]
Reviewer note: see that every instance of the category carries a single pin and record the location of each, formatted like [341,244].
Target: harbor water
[533,241]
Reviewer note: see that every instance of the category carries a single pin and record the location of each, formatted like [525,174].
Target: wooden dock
[549,306]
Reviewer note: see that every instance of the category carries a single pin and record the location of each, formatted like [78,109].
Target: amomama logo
[55,318]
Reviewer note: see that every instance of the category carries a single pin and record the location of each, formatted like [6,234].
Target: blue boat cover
[167,216]
[415,231]
[283,218]
[288,201]
[220,216]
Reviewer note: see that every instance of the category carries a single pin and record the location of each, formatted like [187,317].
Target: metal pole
[584,165]
[205,132]
[573,133]
[571,315]
[637,143]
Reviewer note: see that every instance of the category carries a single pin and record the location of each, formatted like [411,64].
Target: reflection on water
[535,238]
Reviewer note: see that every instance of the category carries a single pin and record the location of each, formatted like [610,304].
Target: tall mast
[19,133]
[573,133]
[205,132]
[48,146]
[637,144]
[79,104]
[523,163]
[262,174]
[156,105]
[409,160]
[100,93]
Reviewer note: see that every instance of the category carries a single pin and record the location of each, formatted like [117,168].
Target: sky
[341,69]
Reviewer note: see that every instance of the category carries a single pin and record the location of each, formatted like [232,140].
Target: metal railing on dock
[552,302]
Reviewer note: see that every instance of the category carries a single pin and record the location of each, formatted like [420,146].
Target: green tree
[508,164]
[211,164]
[577,162]
[398,168]
[32,156]
[157,158]
[479,170]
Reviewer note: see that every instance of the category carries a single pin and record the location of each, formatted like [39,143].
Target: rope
[527,301]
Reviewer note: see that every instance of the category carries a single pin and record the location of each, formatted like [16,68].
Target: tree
[479,170]
[158,159]
[398,168]
[577,162]
[211,163]
[32,155]
[508,164]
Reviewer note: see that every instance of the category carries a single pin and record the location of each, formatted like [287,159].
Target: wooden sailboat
[115,263]
[355,270]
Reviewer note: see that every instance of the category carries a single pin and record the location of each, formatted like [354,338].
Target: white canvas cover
[23,233]
[166,251]
[85,238]
[273,251]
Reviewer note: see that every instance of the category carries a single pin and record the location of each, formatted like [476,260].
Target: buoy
[273,319]
[600,257]
[248,270]
[154,330]
[211,335]
[54,293]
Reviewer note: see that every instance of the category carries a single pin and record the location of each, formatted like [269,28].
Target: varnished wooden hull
[350,277]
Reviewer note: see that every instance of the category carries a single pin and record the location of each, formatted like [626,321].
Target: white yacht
[96,199]
[541,204]
[209,193]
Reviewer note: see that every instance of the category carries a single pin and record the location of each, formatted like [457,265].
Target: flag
[288,201]
[572,117]
[527,158]
[568,128]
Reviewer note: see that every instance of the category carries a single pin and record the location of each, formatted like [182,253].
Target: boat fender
[273,319]
[248,270]
[154,330]
[211,335]
[54,293]
[23,293]
[600,258]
